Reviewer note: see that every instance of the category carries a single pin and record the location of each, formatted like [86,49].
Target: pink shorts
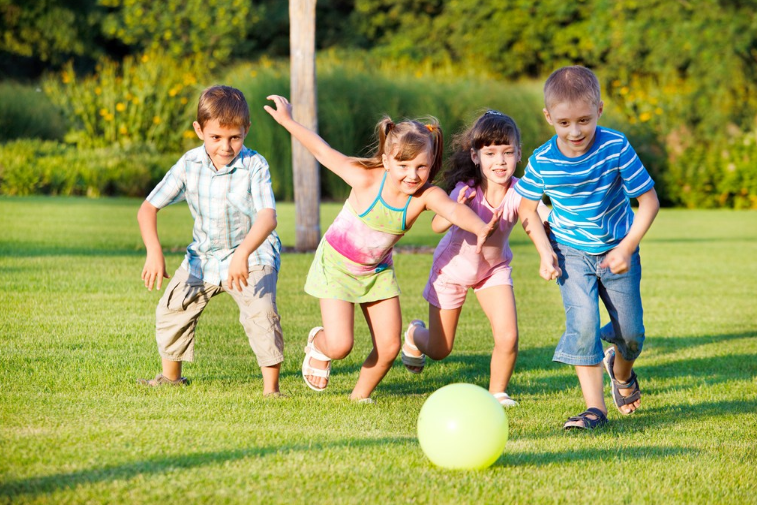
[445,293]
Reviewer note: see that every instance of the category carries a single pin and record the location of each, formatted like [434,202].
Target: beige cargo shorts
[186,297]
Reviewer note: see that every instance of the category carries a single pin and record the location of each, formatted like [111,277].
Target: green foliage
[25,112]
[29,167]
[49,30]
[353,94]
[147,99]
[211,28]
[723,174]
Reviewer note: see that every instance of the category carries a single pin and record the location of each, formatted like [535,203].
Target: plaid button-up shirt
[224,204]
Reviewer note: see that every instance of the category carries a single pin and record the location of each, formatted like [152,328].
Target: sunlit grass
[76,330]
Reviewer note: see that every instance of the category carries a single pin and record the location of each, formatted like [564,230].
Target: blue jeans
[582,284]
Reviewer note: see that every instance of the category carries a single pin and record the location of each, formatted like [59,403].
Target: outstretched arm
[460,215]
[439,224]
[154,270]
[327,156]
[619,259]
[534,227]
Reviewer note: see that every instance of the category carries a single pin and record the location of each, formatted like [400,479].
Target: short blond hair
[571,84]
[224,103]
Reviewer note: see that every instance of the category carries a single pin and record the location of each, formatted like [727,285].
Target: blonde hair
[225,104]
[404,141]
[571,84]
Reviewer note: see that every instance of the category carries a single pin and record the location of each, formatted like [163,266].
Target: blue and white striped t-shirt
[590,194]
[223,204]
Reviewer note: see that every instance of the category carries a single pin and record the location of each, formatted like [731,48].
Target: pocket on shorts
[183,294]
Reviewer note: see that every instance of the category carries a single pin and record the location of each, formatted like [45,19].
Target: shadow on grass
[35,486]
[520,458]
[474,368]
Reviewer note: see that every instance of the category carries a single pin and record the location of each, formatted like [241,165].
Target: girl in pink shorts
[483,163]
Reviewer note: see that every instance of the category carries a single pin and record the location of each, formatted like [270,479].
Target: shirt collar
[235,163]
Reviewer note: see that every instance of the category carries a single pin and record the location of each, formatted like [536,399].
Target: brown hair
[571,84]
[224,103]
[408,138]
[492,128]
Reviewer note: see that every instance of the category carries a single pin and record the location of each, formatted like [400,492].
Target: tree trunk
[305,111]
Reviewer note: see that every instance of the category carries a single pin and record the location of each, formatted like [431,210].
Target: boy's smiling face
[575,124]
[222,143]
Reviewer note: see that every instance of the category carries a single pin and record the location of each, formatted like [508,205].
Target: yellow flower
[129,96]
[109,117]
[65,78]
[645,116]
[616,83]
[145,58]
[103,112]
[120,107]
[135,100]
[188,134]
[184,100]
[254,73]
[624,90]
[123,130]
[98,90]
[172,92]
[156,119]
[658,111]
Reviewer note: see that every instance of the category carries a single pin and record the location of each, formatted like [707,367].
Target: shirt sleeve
[531,185]
[171,189]
[261,189]
[636,179]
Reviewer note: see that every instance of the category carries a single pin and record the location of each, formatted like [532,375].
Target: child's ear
[474,156]
[384,161]
[198,130]
[600,108]
[547,116]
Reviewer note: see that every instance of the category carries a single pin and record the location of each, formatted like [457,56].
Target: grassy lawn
[76,330]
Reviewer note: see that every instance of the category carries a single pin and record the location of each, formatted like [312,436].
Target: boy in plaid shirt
[234,248]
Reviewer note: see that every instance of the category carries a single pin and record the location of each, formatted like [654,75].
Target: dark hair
[405,140]
[224,103]
[491,128]
[571,84]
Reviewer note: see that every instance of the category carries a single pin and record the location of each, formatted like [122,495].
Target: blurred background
[97,97]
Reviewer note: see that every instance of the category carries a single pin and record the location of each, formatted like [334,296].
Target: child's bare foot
[316,367]
[413,359]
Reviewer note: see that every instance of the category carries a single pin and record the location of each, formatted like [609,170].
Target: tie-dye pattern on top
[354,260]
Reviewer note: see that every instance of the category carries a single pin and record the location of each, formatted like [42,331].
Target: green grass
[76,330]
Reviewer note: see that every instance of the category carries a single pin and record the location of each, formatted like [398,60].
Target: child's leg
[270,378]
[498,303]
[337,337]
[437,340]
[171,369]
[384,320]
[621,294]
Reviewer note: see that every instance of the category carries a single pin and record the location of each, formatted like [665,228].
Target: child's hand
[154,271]
[488,229]
[617,260]
[283,110]
[549,269]
[238,272]
[463,198]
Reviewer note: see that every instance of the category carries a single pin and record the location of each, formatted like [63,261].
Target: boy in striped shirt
[590,173]
[234,249]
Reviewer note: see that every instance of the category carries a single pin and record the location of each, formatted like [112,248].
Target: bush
[353,94]
[25,112]
[721,174]
[148,99]
[30,167]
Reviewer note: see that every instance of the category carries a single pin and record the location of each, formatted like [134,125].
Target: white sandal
[413,361]
[505,400]
[311,352]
